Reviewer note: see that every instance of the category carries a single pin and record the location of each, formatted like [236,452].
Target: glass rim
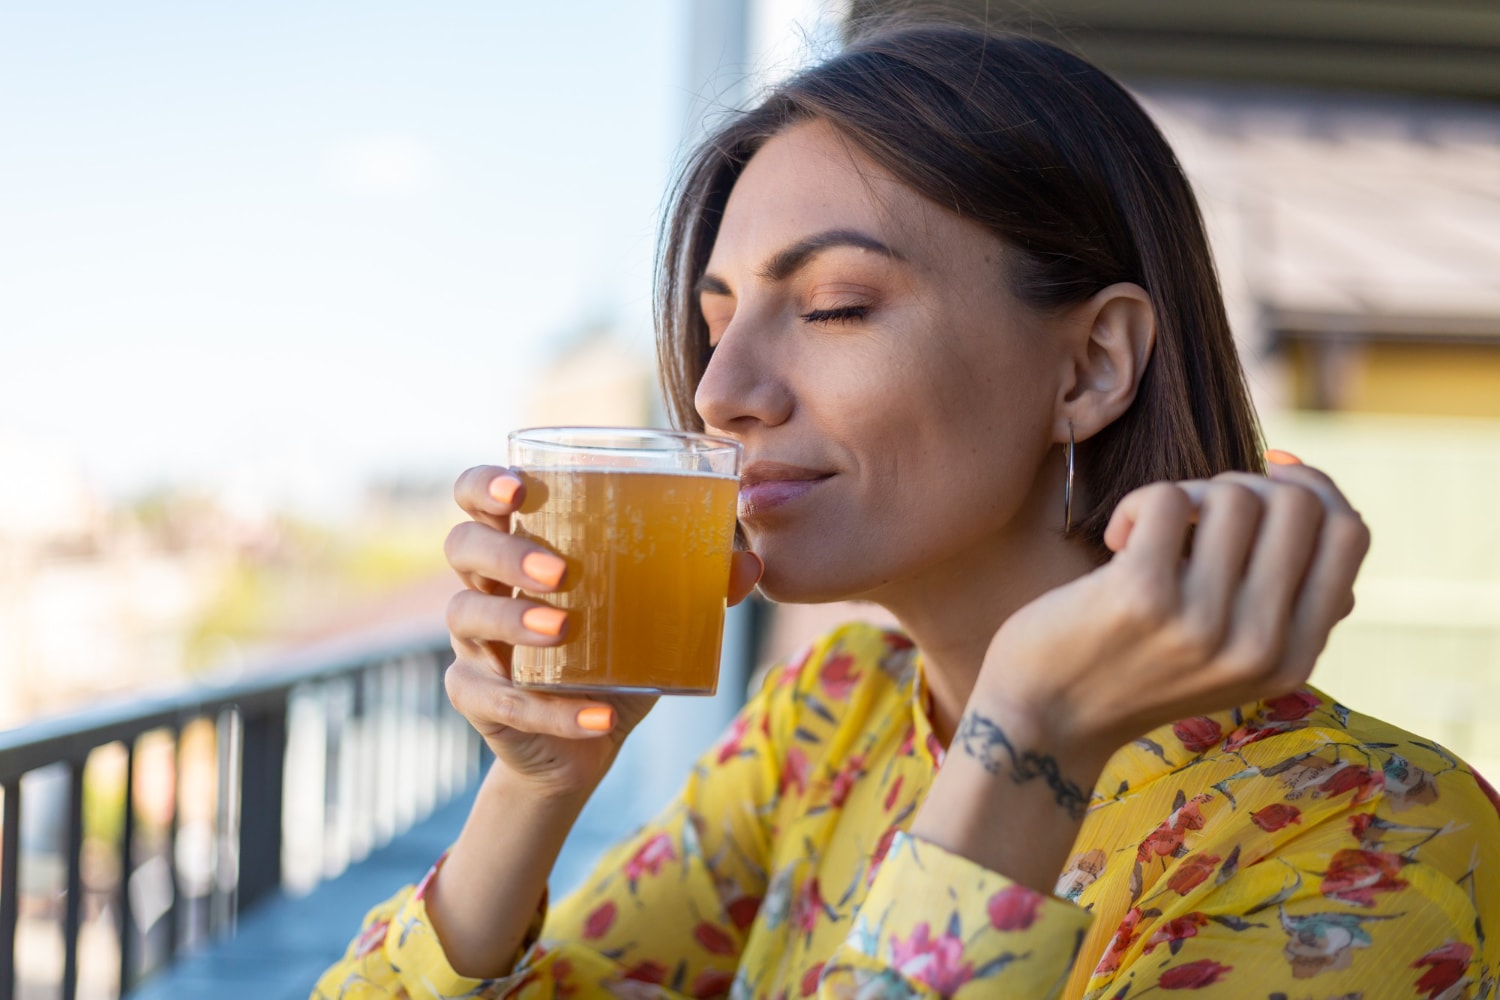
[576,438]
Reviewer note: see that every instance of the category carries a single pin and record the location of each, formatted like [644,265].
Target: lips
[766,487]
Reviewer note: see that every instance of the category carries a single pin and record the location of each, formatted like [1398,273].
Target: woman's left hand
[1221,592]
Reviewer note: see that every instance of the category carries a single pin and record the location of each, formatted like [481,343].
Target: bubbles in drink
[647,606]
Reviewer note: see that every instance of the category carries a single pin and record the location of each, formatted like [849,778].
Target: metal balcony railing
[134,832]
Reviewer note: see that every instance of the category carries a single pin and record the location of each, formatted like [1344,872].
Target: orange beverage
[648,572]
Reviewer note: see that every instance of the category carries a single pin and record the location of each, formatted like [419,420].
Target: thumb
[745,569]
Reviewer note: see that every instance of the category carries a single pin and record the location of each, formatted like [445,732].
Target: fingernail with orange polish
[544,621]
[503,488]
[596,720]
[545,568]
[1278,457]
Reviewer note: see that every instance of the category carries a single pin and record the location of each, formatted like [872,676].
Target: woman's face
[895,402]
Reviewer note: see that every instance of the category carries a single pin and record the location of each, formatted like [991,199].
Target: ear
[1109,340]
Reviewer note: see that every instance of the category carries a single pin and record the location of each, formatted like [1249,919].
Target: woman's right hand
[565,744]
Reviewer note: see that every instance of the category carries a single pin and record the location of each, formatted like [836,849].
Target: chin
[793,581]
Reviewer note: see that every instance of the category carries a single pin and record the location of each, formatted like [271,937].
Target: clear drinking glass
[645,520]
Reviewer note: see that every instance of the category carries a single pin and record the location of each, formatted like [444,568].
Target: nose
[745,381]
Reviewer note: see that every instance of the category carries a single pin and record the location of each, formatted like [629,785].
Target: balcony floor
[284,944]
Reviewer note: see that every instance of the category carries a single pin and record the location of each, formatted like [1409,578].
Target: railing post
[73,900]
[262,760]
[128,929]
[174,911]
[227,821]
[10,888]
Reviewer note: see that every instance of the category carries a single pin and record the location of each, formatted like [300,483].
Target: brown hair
[1056,159]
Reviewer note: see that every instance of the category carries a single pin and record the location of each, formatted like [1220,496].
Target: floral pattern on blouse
[1285,849]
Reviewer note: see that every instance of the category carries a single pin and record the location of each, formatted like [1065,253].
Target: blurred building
[597,378]
[89,606]
[102,599]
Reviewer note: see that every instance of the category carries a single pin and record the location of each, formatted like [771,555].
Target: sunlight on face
[894,400]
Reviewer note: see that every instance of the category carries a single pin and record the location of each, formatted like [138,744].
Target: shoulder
[1316,747]
[1300,805]
[1307,772]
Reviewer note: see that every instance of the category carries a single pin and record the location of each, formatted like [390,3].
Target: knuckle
[510,708]
[456,682]
[1195,638]
[454,614]
[1349,535]
[1236,491]
[1255,656]
[464,485]
[1142,602]
[1150,495]
[1315,475]
[457,537]
[1166,494]
[1244,480]
[1235,496]
[1297,500]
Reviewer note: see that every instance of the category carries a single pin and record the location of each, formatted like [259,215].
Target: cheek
[979,426]
[996,387]
[960,404]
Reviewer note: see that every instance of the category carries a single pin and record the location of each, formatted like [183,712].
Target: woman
[952,294]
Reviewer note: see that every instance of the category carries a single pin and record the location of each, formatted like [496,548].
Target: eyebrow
[785,263]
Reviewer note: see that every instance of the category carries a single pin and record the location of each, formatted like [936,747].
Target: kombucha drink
[648,573]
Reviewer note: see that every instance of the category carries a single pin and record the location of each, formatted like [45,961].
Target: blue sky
[305,242]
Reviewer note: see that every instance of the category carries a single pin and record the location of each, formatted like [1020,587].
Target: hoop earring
[1068,485]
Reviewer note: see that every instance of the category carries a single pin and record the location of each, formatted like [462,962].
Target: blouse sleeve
[936,924]
[396,954]
[671,905]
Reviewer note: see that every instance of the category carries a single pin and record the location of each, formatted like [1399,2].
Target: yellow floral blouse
[1285,849]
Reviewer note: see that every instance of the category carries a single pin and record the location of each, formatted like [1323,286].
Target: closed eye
[843,314]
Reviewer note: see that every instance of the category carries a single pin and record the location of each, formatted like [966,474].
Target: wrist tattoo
[986,742]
